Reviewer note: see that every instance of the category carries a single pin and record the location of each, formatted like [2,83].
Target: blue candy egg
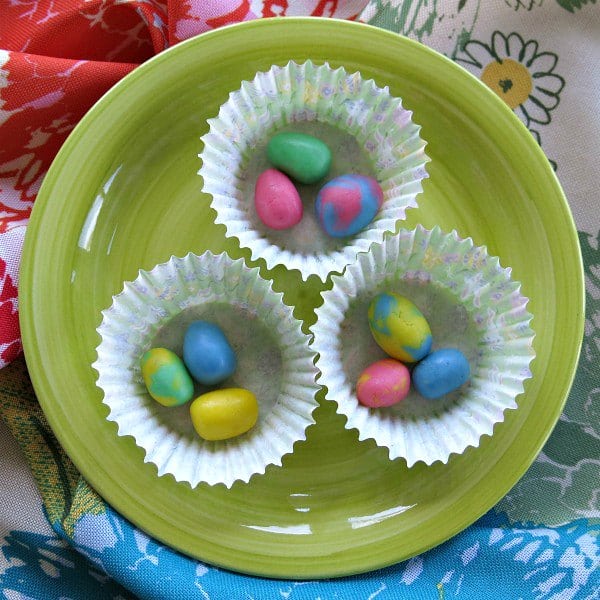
[207,353]
[440,373]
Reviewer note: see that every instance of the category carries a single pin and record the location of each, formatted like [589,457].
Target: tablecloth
[59,539]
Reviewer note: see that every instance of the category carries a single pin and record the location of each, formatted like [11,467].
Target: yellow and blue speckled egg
[166,377]
[399,327]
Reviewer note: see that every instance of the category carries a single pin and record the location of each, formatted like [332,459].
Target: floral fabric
[58,539]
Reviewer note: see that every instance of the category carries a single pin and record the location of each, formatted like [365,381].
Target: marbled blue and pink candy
[347,204]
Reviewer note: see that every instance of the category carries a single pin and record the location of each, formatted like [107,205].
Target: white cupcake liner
[368,131]
[274,362]
[471,304]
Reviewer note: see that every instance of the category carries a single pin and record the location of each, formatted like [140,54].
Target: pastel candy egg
[399,327]
[166,377]
[384,383]
[440,373]
[207,353]
[304,157]
[224,413]
[276,200]
[347,204]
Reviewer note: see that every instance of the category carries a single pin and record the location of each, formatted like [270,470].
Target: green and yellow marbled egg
[166,377]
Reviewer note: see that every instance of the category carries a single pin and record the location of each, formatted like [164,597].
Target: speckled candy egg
[207,353]
[440,373]
[384,383]
[225,413]
[399,327]
[166,377]
[347,204]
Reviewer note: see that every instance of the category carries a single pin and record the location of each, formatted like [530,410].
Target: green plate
[123,194]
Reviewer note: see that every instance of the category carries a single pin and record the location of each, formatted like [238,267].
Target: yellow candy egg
[224,413]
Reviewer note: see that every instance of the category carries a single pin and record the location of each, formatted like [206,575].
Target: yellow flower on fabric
[510,80]
[518,73]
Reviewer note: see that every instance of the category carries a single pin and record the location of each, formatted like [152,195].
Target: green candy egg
[304,157]
[166,377]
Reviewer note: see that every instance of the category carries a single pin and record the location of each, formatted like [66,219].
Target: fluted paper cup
[273,355]
[368,131]
[470,302]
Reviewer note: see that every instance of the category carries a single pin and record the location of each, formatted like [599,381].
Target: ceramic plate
[123,194]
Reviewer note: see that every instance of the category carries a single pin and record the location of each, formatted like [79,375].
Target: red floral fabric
[57,57]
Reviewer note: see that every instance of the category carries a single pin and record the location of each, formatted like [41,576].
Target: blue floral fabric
[493,554]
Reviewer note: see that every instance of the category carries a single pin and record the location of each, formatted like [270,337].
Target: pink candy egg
[384,383]
[276,200]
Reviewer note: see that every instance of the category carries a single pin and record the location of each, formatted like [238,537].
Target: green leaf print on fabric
[422,19]
[564,481]
[413,18]
[65,494]
[526,4]
[573,5]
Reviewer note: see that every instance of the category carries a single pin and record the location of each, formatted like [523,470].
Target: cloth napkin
[60,540]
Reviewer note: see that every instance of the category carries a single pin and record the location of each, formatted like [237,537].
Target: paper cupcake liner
[368,131]
[273,354]
[471,304]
